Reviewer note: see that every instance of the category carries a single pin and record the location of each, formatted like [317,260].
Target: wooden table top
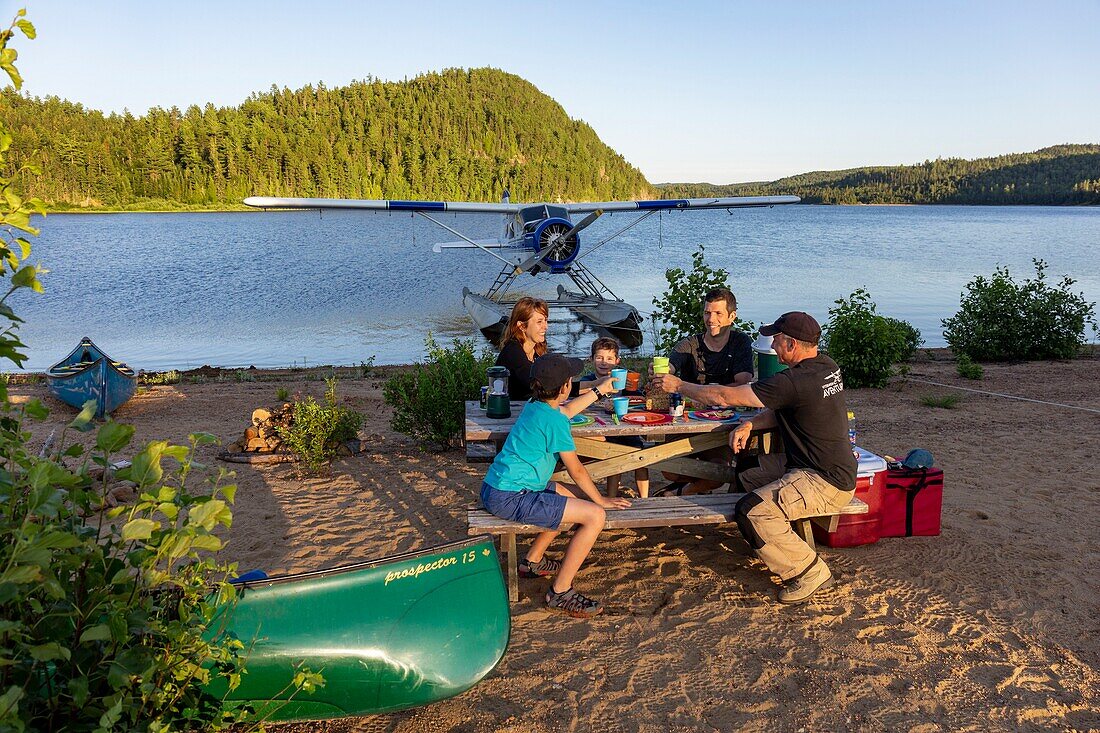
[481,428]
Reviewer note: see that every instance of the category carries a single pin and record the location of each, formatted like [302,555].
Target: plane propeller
[554,243]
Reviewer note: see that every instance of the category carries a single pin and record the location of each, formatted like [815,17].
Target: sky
[720,92]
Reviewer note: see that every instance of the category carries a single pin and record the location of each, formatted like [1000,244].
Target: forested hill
[458,134]
[453,135]
[1063,174]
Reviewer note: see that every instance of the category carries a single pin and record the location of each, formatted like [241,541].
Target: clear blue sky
[718,92]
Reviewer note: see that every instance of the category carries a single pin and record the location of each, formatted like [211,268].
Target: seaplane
[537,238]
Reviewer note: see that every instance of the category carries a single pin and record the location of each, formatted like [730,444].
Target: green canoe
[386,634]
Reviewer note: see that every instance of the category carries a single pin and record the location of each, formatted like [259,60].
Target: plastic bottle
[852,428]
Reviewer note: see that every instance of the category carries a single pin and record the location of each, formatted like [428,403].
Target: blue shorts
[543,508]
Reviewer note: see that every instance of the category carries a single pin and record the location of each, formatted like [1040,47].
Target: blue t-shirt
[529,455]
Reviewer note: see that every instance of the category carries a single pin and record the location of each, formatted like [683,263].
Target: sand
[993,625]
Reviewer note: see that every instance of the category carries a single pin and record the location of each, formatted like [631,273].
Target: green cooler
[767,362]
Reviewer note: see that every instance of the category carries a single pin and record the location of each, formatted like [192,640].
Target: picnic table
[675,446]
[677,442]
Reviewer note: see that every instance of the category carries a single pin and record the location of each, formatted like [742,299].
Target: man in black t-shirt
[816,474]
[721,354]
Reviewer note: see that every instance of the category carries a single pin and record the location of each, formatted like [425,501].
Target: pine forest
[454,135]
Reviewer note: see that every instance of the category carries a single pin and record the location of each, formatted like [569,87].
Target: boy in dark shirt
[605,357]
[815,475]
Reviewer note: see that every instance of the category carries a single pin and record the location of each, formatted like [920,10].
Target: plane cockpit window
[538,213]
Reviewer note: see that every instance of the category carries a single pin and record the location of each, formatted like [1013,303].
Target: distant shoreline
[246,210]
[924,355]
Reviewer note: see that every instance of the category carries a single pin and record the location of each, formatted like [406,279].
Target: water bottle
[852,428]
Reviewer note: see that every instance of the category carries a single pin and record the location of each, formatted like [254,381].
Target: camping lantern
[496,404]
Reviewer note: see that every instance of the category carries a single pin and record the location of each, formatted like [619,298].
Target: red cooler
[860,529]
[911,502]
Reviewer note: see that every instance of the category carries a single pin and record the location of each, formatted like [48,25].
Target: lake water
[165,291]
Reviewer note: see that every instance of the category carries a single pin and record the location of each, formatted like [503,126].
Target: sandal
[572,604]
[542,569]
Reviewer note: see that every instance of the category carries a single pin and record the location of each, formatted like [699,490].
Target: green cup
[660,365]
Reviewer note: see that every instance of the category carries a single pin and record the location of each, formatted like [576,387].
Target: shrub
[427,401]
[105,616]
[169,377]
[317,431]
[864,344]
[968,369]
[947,402]
[105,621]
[282,394]
[1001,319]
[680,309]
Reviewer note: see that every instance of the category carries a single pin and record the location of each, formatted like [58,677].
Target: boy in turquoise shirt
[518,486]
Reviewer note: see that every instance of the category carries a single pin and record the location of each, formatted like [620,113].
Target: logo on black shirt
[833,385]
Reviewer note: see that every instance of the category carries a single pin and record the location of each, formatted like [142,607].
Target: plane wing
[474,207]
[733,202]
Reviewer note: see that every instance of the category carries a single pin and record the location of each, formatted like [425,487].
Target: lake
[164,291]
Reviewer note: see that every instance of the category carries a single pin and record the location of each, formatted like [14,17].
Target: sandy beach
[992,626]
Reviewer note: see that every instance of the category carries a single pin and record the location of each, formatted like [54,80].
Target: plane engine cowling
[547,235]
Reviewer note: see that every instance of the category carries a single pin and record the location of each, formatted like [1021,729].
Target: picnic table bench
[663,511]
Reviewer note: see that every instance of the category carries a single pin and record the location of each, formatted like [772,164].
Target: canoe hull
[386,635]
[89,374]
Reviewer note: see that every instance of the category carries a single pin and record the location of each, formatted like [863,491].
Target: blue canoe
[89,374]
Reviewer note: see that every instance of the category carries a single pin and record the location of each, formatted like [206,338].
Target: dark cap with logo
[551,371]
[795,324]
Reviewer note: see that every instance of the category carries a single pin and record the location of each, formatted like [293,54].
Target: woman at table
[524,340]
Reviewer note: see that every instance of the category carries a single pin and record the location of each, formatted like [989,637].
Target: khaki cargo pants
[779,497]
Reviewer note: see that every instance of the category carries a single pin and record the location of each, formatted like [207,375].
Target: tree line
[1058,175]
[454,135]
[458,134]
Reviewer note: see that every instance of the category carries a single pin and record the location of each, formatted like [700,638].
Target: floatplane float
[537,238]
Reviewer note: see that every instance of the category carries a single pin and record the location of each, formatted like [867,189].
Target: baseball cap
[795,324]
[918,458]
[551,371]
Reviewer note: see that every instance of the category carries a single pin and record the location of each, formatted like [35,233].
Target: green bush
[317,431]
[864,344]
[1001,319]
[967,369]
[946,402]
[680,309]
[169,377]
[427,401]
[106,616]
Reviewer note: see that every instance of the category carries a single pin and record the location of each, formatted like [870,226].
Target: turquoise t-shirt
[529,454]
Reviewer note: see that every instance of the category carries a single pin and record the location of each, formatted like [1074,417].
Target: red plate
[646,418]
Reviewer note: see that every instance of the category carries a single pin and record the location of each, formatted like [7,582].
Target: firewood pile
[262,436]
[261,442]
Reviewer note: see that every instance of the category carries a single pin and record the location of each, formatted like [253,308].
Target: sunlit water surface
[269,289]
